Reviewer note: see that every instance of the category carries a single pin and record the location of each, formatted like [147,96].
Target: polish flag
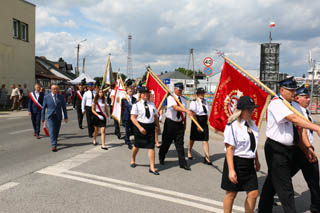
[272,24]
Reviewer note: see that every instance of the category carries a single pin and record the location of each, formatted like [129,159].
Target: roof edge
[28,3]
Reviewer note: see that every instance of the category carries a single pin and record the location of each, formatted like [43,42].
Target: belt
[280,144]
[177,122]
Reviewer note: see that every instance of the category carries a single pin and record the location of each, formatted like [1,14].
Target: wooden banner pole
[176,99]
[264,87]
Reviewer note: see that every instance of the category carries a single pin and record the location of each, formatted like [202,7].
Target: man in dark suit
[127,103]
[77,100]
[35,107]
[55,103]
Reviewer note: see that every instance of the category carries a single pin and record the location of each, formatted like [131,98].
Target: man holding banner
[34,109]
[280,147]
[174,126]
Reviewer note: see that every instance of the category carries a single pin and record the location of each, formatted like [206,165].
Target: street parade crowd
[288,147]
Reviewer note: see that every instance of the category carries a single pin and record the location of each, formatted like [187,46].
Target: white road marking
[19,131]
[62,169]
[136,191]
[154,189]
[7,186]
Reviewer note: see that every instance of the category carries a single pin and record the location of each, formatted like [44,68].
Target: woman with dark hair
[144,116]
[100,111]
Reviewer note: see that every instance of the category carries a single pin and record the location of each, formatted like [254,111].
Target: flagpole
[176,99]
[271,92]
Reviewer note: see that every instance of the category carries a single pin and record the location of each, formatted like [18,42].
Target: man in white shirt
[86,106]
[14,97]
[175,126]
[305,157]
[280,147]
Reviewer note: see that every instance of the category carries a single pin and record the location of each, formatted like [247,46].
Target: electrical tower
[129,58]
[191,56]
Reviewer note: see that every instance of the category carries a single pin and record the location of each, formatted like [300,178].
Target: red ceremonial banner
[231,87]
[158,92]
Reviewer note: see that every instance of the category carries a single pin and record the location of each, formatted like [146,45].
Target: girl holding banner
[100,112]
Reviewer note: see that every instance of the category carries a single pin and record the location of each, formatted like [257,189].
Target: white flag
[120,94]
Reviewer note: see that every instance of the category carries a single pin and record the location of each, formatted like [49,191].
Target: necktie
[92,95]
[147,109]
[178,113]
[308,113]
[295,133]
[252,138]
[204,107]
[55,99]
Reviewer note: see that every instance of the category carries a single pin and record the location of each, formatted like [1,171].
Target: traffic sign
[207,71]
[207,61]
[166,81]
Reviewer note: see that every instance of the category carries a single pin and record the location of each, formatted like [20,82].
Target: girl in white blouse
[241,162]
[101,112]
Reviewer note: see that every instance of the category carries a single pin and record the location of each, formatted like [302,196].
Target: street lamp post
[78,49]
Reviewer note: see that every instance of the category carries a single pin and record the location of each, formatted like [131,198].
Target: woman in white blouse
[241,162]
[144,116]
[101,112]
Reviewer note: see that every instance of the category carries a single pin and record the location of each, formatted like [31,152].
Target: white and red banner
[120,93]
[35,101]
[231,87]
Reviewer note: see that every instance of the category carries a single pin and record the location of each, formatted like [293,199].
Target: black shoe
[206,162]
[162,162]
[129,146]
[119,136]
[190,158]
[185,167]
[104,147]
[133,165]
[155,172]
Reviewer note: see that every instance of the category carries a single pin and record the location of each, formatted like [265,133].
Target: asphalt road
[83,178]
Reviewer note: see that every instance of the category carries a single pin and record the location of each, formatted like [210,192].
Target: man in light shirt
[14,97]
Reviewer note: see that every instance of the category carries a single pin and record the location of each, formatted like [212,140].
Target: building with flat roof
[17,43]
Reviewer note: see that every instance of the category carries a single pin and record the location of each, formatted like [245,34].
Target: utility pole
[194,74]
[129,58]
[78,50]
[83,63]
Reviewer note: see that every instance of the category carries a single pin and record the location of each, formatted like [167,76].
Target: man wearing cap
[174,126]
[305,156]
[77,101]
[86,105]
[280,147]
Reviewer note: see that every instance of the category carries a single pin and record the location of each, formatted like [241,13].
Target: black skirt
[246,175]
[99,123]
[195,134]
[144,141]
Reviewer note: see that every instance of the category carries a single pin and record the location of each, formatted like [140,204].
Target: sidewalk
[21,113]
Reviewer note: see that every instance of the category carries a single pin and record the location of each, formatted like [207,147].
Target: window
[20,30]
[24,31]
[15,28]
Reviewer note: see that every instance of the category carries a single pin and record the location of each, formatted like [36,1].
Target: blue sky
[164,31]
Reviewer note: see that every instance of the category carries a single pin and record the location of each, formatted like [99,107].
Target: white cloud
[164,31]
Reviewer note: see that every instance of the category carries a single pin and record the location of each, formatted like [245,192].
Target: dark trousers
[36,120]
[280,160]
[129,131]
[173,131]
[89,116]
[80,116]
[310,173]
[54,129]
